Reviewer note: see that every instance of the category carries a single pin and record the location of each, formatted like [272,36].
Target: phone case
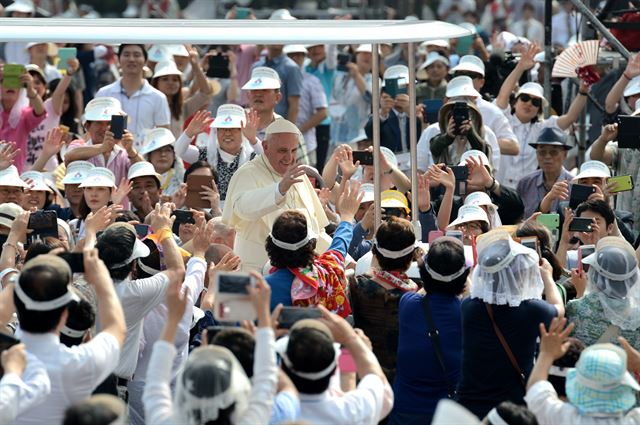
[194,183]
[579,194]
[64,54]
[11,76]
[550,221]
[624,183]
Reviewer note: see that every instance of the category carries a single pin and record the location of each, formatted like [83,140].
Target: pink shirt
[18,135]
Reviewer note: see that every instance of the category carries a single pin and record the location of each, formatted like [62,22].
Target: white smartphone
[232,301]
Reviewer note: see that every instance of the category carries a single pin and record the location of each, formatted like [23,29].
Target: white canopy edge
[152,31]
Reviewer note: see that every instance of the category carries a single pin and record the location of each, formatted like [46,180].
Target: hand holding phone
[581,224]
[579,194]
[182,217]
[619,184]
[290,315]
[232,301]
[365,157]
[75,260]
[118,126]
[194,187]
[583,252]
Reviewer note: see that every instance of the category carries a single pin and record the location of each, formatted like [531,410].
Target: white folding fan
[580,55]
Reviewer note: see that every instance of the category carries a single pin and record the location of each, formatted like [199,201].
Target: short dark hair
[395,234]
[529,228]
[241,343]
[141,46]
[85,413]
[40,283]
[126,216]
[81,318]
[309,351]
[569,360]
[43,246]
[114,246]
[444,257]
[514,414]
[196,166]
[291,227]
[597,206]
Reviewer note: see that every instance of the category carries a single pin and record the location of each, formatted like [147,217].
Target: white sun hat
[475,154]
[294,48]
[230,116]
[10,177]
[366,48]
[159,53]
[77,171]
[470,63]
[157,138]
[34,43]
[99,177]
[433,57]
[263,77]
[461,86]
[479,199]
[422,48]
[593,169]
[368,190]
[391,157]
[532,89]
[637,111]
[167,67]
[281,14]
[400,72]
[467,213]
[142,169]
[37,178]
[8,212]
[633,87]
[177,50]
[102,109]
[22,6]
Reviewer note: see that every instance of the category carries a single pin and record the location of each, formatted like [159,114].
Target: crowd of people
[189,235]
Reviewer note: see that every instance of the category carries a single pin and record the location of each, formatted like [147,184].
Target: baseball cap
[35,68]
[532,89]
[461,86]
[8,212]
[37,177]
[401,72]
[263,77]
[9,177]
[77,171]
[156,139]
[365,48]
[166,67]
[470,63]
[99,177]
[474,154]
[593,169]
[229,116]
[479,199]
[102,108]
[142,168]
[281,14]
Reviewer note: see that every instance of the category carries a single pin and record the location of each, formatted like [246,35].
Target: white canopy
[152,31]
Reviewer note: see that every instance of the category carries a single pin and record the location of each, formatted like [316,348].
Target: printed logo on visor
[77,175]
[257,81]
[228,119]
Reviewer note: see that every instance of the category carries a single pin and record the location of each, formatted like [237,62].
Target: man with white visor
[264,94]
[473,67]
[227,148]
[102,150]
[11,186]
[458,89]
[159,150]
[145,188]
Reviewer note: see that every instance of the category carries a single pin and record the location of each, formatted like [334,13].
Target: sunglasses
[535,101]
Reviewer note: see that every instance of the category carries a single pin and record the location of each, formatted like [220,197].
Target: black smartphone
[290,315]
[43,224]
[461,172]
[579,194]
[580,224]
[460,114]
[391,87]
[218,66]
[628,132]
[365,157]
[431,110]
[233,283]
[75,260]
[182,217]
[142,230]
[118,126]
[343,60]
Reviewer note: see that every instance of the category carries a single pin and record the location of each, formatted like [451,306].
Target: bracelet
[624,74]
[6,271]
[582,93]
[164,234]
[493,185]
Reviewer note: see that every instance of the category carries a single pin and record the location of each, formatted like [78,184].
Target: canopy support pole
[413,136]
[375,107]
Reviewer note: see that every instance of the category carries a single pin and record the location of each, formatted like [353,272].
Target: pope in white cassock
[264,188]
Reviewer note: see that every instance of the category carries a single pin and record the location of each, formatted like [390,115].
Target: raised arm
[448,180]
[551,293]
[578,104]
[57,98]
[613,97]
[599,149]
[161,222]
[553,345]
[35,101]
[525,63]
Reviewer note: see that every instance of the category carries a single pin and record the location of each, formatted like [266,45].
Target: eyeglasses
[472,75]
[535,101]
[548,152]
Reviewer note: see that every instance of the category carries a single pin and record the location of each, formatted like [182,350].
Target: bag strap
[505,346]
[610,334]
[434,336]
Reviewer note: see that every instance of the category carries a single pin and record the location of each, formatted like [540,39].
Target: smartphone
[182,217]
[623,183]
[580,224]
[343,60]
[75,260]
[460,113]
[43,223]
[550,221]
[461,172]
[458,234]
[6,342]
[142,230]
[194,187]
[64,54]
[583,252]
[431,110]
[579,194]
[11,75]
[118,126]
[232,301]
[433,235]
[391,87]
[346,362]
[365,157]
[628,131]
[531,242]
[290,315]
[212,331]
[218,66]
[242,12]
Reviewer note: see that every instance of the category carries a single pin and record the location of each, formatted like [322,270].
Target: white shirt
[543,401]
[147,108]
[514,167]
[363,406]
[493,118]
[138,297]
[18,395]
[425,160]
[158,405]
[561,31]
[74,372]
[313,98]
[534,30]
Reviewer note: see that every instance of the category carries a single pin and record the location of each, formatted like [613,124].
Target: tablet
[629,132]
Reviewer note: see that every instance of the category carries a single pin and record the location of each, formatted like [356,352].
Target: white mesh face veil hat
[507,272]
[212,380]
[615,279]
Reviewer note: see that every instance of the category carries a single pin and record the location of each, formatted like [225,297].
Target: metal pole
[413,136]
[582,8]
[375,108]
[548,52]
